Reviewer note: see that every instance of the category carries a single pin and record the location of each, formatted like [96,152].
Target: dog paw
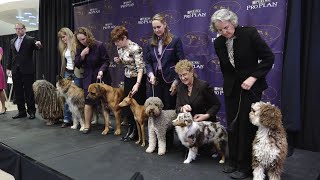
[82,128]
[215,155]
[105,132]
[149,150]
[221,161]
[143,144]
[117,132]
[137,142]
[187,161]
[160,153]
[74,127]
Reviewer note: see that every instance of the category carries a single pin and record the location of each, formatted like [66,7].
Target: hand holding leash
[248,83]
[186,108]
[100,75]
[201,117]
[9,73]
[135,88]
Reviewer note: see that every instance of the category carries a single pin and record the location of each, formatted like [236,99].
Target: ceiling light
[7,1]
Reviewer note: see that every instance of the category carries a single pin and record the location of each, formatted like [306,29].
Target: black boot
[130,130]
[133,136]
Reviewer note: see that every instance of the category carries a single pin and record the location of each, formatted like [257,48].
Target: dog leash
[231,128]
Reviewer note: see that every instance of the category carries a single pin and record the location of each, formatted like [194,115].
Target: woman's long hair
[86,32]
[63,46]
[167,35]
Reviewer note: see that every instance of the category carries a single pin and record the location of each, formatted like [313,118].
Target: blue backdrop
[189,19]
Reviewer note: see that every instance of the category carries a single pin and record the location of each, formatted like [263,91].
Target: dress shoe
[239,175]
[20,115]
[229,169]
[32,116]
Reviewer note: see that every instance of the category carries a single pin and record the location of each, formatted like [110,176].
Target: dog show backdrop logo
[171,16]
[257,4]
[195,39]
[127,4]
[195,13]
[232,5]
[268,32]
[107,7]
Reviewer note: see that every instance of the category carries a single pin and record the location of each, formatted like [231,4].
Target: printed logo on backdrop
[232,5]
[128,22]
[268,32]
[213,64]
[127,4]
[195,39]
[194,13]
[257,4]
[197,65]
[107,7]
[171,16]
[80,11]
[108,26]
[143,40]
[94,11]
[145,20]
[269,94]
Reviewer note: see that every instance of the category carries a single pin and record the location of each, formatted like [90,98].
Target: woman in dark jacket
[245,60]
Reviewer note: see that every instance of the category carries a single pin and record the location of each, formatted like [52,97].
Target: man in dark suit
[20,66]
[245,60]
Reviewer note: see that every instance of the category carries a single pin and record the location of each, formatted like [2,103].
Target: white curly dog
[159,121]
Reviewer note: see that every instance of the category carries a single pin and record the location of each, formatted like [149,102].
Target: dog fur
[74,97]
[139,116]
[159,121]
[111,98]
[195,134]
[50,105]
[270,145]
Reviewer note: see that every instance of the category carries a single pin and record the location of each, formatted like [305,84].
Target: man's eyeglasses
[18,28]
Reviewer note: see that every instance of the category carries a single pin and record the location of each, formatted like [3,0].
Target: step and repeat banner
[190,20]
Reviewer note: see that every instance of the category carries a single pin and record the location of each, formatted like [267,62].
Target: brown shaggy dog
[139,116]
[110,97]
[74,97]
[270,146]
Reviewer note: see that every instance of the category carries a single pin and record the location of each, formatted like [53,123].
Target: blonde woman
[67,49]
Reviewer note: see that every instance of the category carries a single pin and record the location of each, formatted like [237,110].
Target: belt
[68,70]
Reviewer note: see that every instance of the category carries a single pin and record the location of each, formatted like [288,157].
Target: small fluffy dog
[270,146]
[74,97]
[195,134]
[50,105]
[139,116]
[159,121]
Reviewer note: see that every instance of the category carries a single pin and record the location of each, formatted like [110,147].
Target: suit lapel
[195,91]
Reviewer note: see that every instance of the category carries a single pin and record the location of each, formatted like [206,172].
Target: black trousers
[161,90]
[242,134]
[139,96]
[22,85]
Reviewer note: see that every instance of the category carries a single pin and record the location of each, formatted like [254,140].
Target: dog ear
[270,116]
[58,77]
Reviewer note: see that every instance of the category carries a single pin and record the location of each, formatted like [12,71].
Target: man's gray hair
[223,15]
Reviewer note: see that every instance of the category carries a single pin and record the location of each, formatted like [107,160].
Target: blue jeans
[67,115]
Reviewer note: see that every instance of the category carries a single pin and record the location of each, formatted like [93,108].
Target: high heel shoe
[5,110]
